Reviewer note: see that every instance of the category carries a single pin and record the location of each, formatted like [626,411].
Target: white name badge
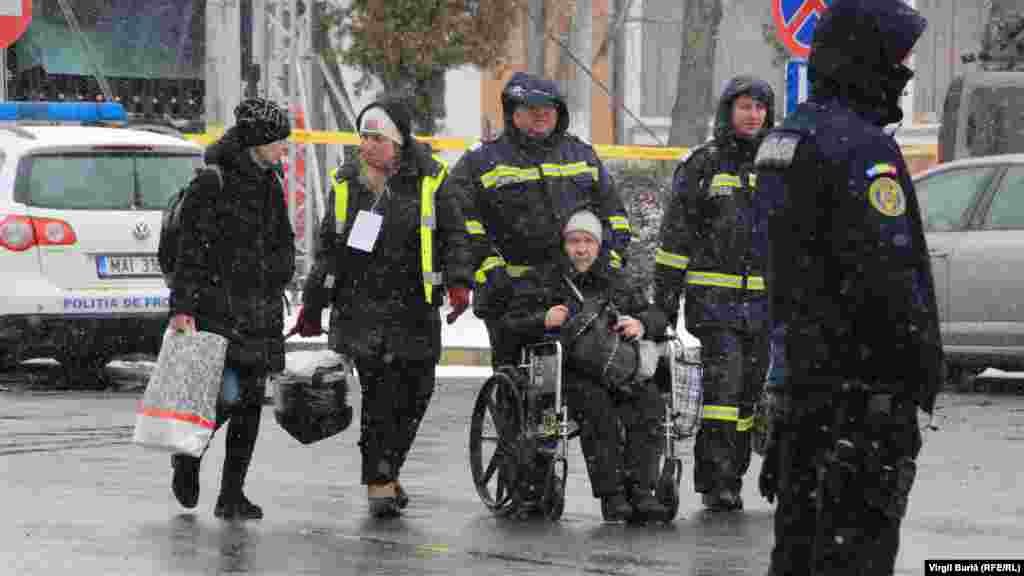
[365,230]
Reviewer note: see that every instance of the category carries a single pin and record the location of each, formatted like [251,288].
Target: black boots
[185,484]
[236,507]
[647,508]
[724,500]
[243,426]
[615,508]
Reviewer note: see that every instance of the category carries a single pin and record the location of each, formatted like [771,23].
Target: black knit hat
[261,122]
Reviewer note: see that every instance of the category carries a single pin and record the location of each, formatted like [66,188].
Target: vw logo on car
[141,230]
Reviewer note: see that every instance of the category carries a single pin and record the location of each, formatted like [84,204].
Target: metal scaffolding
[280,70]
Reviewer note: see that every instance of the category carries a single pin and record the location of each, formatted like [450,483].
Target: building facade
[651,37]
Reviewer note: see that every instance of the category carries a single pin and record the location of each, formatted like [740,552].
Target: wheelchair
[520,430]
[519,434]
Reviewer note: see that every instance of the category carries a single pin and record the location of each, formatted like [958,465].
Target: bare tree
[694,105]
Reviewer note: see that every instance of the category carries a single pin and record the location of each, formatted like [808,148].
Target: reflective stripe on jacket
[428,223]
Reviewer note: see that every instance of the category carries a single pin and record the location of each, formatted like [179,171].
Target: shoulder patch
[777,150]
[886,195]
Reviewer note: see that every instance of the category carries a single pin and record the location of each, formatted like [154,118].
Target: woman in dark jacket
[624,479]
[392,229]
[236,254]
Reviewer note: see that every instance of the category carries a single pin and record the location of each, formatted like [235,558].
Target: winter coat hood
[527,89]
[743,86]
[857,54]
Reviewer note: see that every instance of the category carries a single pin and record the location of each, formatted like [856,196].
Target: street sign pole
[797,87]
[907,102]
[794,22]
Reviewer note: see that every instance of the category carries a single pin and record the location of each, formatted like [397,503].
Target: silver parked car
[973,212]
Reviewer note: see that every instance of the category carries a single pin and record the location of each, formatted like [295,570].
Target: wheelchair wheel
[554,489]
[667,490]
[495,435]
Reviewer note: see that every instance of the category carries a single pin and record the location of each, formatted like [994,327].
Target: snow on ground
[467,332]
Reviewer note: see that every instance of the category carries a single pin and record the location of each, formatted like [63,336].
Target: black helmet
[858,51]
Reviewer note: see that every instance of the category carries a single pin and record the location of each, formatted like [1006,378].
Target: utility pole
[536,42]
[583,34]
[618,68]
[908,93]
[223,62]
[257,74]
[315,116]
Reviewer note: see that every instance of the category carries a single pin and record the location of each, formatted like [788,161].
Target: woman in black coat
[379,264]
[236,254]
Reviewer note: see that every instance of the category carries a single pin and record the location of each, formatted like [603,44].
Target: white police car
[81,200]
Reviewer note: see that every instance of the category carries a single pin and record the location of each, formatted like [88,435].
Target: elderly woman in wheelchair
[590,365]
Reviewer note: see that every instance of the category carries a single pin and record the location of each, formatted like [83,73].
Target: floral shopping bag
[179,407]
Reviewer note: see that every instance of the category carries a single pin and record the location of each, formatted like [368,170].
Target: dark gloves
[458,298]
[488,295]
[768,482]
[774,406]
[306,325]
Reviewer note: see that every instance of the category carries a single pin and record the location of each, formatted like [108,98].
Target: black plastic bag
[313,409]
[596,350]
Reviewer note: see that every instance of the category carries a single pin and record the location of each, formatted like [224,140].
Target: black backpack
[170,227]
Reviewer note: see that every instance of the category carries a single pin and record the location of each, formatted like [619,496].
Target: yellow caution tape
[605,151]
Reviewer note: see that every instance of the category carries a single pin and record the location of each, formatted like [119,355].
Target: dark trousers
[618,433]
[853,528]
[593,407]
[395,398]
[734,370]
[240,406]
[506,347]
[641,413]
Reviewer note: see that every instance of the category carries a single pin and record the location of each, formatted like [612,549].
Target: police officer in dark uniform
[519,191]
[855,333]
[706,250]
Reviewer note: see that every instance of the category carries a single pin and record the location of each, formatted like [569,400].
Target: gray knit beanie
[584,221]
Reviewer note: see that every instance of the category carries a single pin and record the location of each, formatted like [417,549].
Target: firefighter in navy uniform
[706,251]
[518,192]
[852,307]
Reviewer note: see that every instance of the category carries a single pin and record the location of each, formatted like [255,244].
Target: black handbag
[596,350]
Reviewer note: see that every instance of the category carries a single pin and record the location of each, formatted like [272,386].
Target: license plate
[128,266]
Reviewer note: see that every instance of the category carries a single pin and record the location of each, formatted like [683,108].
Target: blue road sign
[796,84]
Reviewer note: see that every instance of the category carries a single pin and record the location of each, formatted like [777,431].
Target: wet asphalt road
[78,498]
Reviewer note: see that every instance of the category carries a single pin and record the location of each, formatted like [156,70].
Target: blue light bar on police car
[62,112]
